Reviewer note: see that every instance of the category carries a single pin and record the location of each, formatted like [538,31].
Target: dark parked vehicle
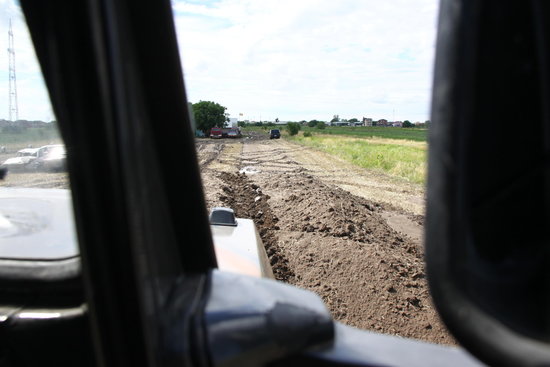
[234,133]
[274,134]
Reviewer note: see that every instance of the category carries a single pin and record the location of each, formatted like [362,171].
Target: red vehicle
[216,133]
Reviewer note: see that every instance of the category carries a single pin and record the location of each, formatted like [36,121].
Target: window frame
[114,76]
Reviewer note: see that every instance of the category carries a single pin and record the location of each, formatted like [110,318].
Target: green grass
[414,134]
[405,159]
[30,136]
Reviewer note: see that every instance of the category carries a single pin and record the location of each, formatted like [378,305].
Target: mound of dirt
[325,239]
[360,256]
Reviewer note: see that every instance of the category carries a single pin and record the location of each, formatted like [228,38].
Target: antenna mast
[14,110]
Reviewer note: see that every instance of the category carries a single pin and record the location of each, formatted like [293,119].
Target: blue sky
[286,59]
[310,59]
[33,100]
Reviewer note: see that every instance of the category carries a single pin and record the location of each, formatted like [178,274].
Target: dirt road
[351,236]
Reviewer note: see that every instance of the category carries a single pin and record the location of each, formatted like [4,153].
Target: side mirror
[487,242]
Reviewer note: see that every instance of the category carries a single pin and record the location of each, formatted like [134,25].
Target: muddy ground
[352,236]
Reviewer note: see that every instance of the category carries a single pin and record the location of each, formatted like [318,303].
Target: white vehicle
[23,159]
[47,157]
[52,158]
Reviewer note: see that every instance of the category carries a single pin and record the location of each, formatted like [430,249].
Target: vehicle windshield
[28,128]
[34,197]
[338,198]
[333,102]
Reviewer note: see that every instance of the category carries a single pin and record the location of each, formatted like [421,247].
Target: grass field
[405,159]
[359,131]
[399,152]
[31,136]
[373,132]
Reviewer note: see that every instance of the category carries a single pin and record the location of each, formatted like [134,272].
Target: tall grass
[400,158]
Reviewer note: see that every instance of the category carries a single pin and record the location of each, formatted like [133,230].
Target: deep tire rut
[248,201]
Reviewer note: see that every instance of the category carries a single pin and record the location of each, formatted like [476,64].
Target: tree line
[208,114]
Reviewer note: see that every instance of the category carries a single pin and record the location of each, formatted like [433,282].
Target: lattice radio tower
[14,110]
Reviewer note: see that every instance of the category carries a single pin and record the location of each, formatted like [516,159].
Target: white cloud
[305,59]
[310,59]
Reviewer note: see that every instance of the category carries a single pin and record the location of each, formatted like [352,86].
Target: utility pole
[13,109]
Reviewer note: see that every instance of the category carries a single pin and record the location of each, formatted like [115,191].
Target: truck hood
[36,224]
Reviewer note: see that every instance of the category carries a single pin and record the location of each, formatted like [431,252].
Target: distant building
[382,122]
[367,121]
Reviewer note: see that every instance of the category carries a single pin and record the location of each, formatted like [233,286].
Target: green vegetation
[415,134]
[400,152]
[411,133]
[400,158]
[293,128]
[209,114]
[19,137]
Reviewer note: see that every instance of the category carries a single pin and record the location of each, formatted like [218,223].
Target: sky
[288,59]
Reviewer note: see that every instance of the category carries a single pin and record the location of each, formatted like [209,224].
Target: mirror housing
[487,245]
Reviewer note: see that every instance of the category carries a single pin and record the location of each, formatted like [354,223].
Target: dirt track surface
[353,237]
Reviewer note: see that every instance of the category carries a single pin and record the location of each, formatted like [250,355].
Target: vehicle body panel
[239,249]
[36,224]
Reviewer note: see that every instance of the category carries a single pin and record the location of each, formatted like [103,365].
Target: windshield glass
[29,128]
[35,206]
[338,197]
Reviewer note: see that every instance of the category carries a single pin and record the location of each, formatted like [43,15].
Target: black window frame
[141,220]
[114,77]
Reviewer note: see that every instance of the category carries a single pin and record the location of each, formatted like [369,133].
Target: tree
[407,123]
[321,125]
[336,118]
[353,120]
[312,123]
[293,128]
[209,114]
